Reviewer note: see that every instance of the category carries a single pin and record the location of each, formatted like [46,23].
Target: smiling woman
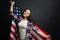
[26,26]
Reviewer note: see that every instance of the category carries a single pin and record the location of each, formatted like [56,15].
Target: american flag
[17,11]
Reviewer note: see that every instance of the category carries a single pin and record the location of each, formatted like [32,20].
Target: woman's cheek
[28,15]
[24,15]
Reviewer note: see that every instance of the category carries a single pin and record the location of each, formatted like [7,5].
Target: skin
[12,4]
[27,13]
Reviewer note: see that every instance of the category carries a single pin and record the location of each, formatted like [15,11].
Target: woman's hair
[26,9]
[30,16]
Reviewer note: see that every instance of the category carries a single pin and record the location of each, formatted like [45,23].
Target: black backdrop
[45,12]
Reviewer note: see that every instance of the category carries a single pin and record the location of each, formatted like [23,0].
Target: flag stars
[16,7]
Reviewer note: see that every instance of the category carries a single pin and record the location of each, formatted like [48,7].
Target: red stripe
[12,32]
[39,35]
[10,38]
[34,36]
[41,29]
[13,26]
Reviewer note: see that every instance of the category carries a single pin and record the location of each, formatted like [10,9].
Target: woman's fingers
[48,37]
[12,2]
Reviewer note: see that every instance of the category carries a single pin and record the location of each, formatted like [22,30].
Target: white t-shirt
[22,28]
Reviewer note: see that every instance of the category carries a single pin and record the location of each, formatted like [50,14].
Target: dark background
[45,12]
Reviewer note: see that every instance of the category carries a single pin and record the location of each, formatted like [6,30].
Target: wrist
[48,36]
[12,5]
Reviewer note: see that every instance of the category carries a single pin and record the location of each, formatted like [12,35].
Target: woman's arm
[40,32]
[11,7]
[43,35]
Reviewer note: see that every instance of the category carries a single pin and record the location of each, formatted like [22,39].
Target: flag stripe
[39,28]
[35,35]
[13,26]
[12,36]
[13,30]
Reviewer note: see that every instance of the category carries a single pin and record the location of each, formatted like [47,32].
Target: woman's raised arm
[11,7]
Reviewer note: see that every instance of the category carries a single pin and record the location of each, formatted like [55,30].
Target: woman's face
[26,13]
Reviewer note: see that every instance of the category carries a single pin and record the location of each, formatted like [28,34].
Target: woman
[26,23]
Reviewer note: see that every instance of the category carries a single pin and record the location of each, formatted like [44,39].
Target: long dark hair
[30,19]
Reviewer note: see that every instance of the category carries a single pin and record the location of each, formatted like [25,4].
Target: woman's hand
[12,3]
[48,37]
[11,7]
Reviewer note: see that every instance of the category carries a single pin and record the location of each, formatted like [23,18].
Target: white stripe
[36,35]
[13,23]
[12,36]
[37,28]
[32,38]
[12,29]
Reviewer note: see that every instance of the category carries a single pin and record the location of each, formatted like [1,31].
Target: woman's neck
[24,18]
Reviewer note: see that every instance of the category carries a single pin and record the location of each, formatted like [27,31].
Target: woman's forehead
[28,11]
